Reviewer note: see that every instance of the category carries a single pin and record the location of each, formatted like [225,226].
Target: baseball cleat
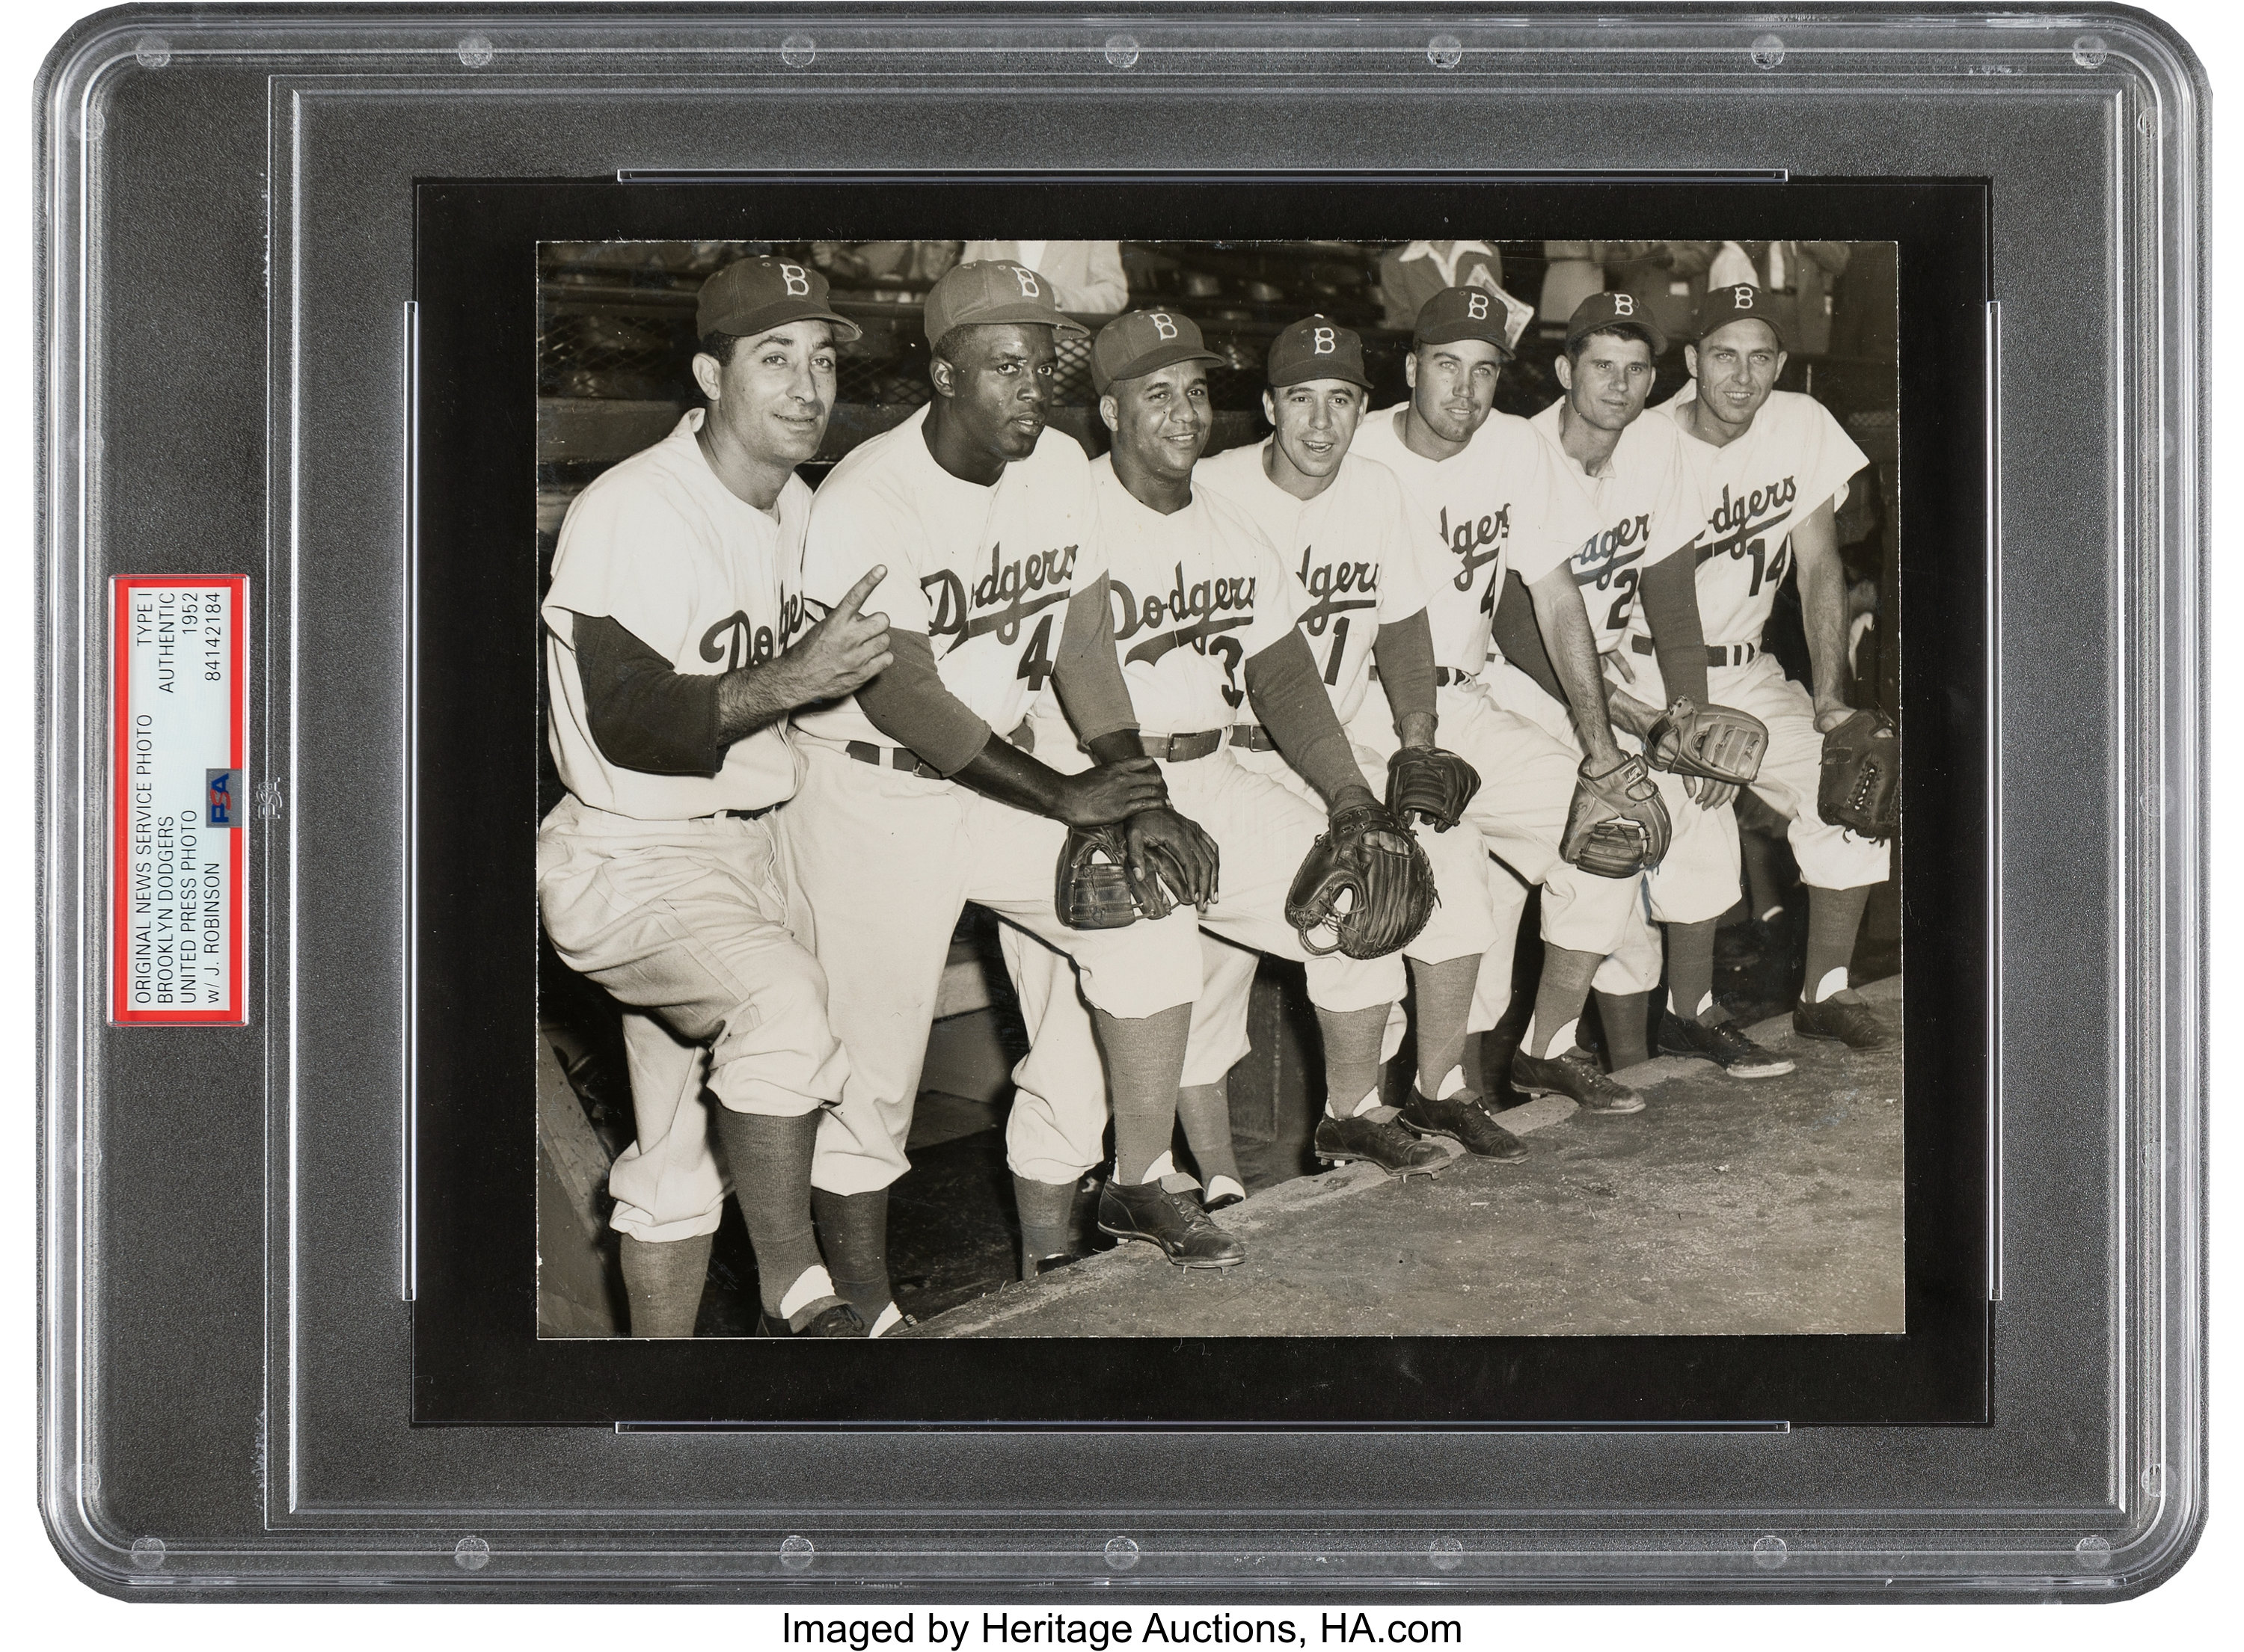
[840,1320]
[1463,1118]
[1222,1193]
[1854,1025]
[1376,1141]
[1723,1043]
[1575,1076]
[1171,1221]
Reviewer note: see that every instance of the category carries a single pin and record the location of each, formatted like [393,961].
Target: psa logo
[221,789]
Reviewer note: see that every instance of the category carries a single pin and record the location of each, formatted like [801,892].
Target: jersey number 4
[1035,659]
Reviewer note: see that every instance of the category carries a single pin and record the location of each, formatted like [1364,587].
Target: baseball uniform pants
[691,926]
[887,860]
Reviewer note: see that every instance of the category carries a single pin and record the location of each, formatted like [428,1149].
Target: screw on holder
[151,51]
[1768,51]
[1121,1552]
[1445,51]
[471,1555]
[798,52]
[796,1553]
[1446,1553]
[1122,50]
[476,51]
[1769,1553]
[2090,51]
[148,1552]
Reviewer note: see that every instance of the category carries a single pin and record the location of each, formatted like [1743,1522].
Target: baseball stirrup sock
[1558,1000]
[1205,1111]
[1351,1039]
[662,1280]
[1691,972]
[1445,996]
[1834,918]
[1625,1017]
[1047,1211]
[769,1157]
[854,1230]
[1758,850]
[1145,1058]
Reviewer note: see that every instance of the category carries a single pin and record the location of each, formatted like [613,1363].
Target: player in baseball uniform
[1489,503]
[1775,468]
[1634,570]
[913,802]
[669,678]
[1344,527]
[1205,614]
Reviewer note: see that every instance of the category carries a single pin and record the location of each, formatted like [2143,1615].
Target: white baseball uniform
[887,855]
[1196,595]
[1496,506]
[669,889]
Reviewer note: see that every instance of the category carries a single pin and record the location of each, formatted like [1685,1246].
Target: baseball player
[669,680]
[1205,614]
[1632,474]
[1345,528]
[911,805]
[1775,468]
[1489,502]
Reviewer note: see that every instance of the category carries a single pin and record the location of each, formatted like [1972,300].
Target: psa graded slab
[1294,809]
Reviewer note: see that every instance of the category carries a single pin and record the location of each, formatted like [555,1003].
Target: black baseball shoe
[1854,1025]
[840,1320]
[1463,1118]
[1573,1075]
[1376,1141]
[1173,1221]
[1723,1043]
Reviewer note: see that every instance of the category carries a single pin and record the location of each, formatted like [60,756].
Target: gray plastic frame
[227,230]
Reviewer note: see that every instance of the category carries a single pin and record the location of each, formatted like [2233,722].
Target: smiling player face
[1737,365]
[1001,392]
[1453,386]
[1313,423]
[1160,420]
[772,397]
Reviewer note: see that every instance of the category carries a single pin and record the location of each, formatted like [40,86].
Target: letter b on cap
[1476,305]
[1027,278]
[1742,297]
[1323,341]
[1162,324]
[1624,304]
[797,280]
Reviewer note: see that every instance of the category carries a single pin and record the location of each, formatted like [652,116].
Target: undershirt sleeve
[1519,637]
[644,714]
[909,704]
[1086,676]
[1405,652]
[1291,698]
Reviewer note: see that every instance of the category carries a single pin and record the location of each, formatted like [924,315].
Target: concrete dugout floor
[1727,1207]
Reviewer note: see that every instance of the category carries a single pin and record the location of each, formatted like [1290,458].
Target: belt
[1253,735]
[1717,653]
[898,757]
[1443,676]
[1181,748]
[740,814]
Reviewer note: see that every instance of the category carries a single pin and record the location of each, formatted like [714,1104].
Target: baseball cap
[994,290]
[1614,309]
[1462,313]
[1129,346]
[1317,347]
[757,294]
[1724,305]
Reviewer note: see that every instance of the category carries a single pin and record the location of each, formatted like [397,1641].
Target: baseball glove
[1099,894]
[1374,861]
[1618,826]
[1861,784]
[1719,743]
[1431,784]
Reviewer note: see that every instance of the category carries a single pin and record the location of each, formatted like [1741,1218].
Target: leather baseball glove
[1719,743]
[1860,787]
[1092,893]
[1373,861]
[1618,826]
[1431,784]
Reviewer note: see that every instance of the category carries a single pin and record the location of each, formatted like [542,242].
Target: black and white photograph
[1201,789]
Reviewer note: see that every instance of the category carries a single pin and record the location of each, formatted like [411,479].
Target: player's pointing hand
[844,651]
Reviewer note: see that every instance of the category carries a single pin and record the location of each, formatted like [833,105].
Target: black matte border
[477,1356]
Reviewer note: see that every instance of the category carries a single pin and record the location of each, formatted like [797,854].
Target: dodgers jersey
[1643,507]
[677,559]
[1492,507]
[1792,459]
[985,572]
[1194,594]
[1351,550]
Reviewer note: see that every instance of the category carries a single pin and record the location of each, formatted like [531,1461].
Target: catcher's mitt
[1375,862]
[1861,784]
[1618,826]
[1719,743]
[1096,894]
[1431,783]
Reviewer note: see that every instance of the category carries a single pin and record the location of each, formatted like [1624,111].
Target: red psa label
[180,813]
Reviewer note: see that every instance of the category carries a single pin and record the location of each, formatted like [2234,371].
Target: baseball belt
[1717,653]
[1252,737]
[1181,748]
[1443,676]
[897,758]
